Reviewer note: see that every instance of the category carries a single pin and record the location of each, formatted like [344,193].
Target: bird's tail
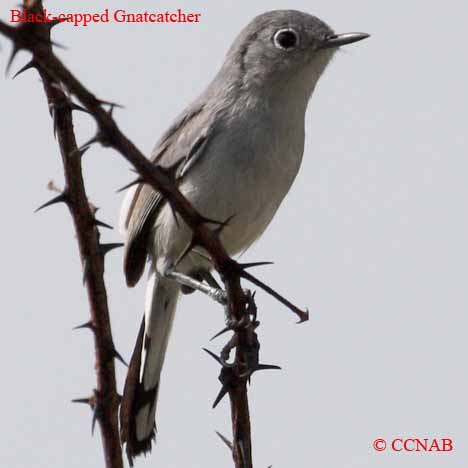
[138,408]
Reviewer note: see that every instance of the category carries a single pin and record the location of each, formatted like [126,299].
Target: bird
[236,151]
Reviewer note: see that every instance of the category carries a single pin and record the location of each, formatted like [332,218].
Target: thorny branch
[60,86]
[104,400]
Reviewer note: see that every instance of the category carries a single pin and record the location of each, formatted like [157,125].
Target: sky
[372,239]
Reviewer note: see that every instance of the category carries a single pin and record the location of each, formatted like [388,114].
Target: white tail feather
[161,301]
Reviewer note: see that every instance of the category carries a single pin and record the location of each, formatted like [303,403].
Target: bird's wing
[180,147]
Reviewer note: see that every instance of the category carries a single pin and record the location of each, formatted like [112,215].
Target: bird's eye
[286,39]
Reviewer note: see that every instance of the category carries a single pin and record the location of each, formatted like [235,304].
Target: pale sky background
[372,238]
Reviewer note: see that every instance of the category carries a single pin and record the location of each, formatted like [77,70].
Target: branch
[105,400]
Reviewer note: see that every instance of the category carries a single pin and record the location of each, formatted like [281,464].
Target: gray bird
[237,150]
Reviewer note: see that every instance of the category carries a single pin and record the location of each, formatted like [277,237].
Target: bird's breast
[246,175]
[243,176]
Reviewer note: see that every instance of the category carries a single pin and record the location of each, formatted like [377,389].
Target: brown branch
[233,377]
[105,400]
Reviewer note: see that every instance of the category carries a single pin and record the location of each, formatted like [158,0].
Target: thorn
[226,441]
[214,356]
[252,307]
[226,368]
[233,325]
[223,225]
[86,145]
[97,413]
[66,103]
[245,266]
[220,396]
[53,23]
[171,171]
[14,51]
[137,181]
[109,103]
[119,357]
[79,152]
[52,106]
[106,248]
[47,41]
[86,269]
[102,224]
[209,278]
[261,367]
[204,220]
[76,107]
[88,401]
[29,65]
[96,139]
[89,324]
[224,330]
[111,110]
[303,315]
[92,401]
[57,44]
[62,198]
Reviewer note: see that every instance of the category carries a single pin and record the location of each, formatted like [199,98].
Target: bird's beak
[338,40]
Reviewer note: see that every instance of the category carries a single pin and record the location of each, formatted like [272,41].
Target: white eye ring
[286,39]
